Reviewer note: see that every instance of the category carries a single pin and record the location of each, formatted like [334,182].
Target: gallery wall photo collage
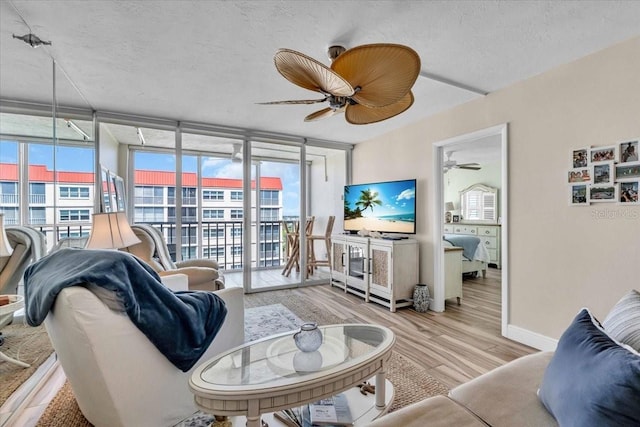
[605,174]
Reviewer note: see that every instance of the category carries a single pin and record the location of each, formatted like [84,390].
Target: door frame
[438,225]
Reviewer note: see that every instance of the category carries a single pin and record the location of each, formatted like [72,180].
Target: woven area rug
[269,313]
[25,343]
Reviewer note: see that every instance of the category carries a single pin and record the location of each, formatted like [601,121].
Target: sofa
[591,379]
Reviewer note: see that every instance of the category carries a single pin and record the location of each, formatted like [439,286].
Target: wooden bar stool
[313,262]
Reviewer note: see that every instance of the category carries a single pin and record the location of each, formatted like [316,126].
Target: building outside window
[270,249]
[236,213]
[188,196]
[212,214]
[148,214]
[10,215]
[269,198]
[270,232]
[213,195]
[67,215]
[37,193]
[212,233]
[37,215]
[236,195]
[269,214]
[215,252]
[188,214]
[9,193]
[147,195]
[70,192]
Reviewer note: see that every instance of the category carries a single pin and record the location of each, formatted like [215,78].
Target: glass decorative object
[308,338]
[421,298]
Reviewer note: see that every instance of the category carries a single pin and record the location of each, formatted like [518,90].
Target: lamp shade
[111,231]
[449,206]
[5,247]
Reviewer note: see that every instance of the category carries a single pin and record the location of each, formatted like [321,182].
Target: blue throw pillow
[592,380]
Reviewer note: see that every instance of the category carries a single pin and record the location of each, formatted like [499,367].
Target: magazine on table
[332,411]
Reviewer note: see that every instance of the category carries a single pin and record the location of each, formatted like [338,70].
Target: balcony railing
[226,238]
[225,234]
[9,199]
[39,199]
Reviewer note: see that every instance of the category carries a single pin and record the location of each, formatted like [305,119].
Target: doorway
[470,142]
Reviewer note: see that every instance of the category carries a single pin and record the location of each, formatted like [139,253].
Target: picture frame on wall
[603,193]
[121,203]
[105,179]
[580,158]
[629,150]
[603,154]
[603,173]
[112,192]
[579,175]
[579,195]
[628,192]
[627,172]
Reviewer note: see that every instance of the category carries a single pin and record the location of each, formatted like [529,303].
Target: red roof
[40,173]
[189,179]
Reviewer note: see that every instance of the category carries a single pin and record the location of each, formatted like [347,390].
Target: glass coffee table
[271,374]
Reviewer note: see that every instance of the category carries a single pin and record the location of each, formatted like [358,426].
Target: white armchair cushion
[118,376]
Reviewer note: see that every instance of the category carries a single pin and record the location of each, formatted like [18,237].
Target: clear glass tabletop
[276,360]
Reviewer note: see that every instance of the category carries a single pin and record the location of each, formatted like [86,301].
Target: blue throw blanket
[469,244]
[180,324]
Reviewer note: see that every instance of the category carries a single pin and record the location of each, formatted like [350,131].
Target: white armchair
[118,376]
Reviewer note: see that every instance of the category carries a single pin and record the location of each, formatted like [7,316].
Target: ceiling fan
[452,164]
[369,83]
[236,156]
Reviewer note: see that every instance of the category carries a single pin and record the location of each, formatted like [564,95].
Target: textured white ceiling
[212,61]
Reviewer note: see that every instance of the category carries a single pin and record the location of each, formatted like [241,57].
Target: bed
[475,256]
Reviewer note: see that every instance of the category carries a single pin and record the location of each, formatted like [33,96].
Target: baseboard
[532,339]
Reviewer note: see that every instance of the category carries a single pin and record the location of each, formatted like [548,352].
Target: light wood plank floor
[454,346]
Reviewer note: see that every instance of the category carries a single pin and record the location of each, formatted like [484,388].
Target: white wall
[561,257]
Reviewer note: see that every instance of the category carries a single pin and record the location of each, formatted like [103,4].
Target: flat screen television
[385,207]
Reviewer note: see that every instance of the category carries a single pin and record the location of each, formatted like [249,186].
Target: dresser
[490,235]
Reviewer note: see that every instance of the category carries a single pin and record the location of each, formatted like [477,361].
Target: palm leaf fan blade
[383,72]
[321,114]
[295,101]
[310,74]
[362,115]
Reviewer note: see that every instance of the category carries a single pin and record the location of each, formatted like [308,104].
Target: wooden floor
[454,346]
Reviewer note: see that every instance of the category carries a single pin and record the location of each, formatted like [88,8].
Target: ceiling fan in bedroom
[369,83]
[452,164]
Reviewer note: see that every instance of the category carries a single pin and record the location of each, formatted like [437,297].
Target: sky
[80,159]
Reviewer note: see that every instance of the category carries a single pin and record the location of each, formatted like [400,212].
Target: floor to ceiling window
[47,184]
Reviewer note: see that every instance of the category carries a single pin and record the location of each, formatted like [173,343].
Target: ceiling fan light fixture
[236,155]
[334,51]
[370,83]
[32,40]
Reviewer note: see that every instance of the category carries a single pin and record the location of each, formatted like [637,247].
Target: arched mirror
[479,203]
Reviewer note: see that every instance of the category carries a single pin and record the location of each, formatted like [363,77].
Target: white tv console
[378,270]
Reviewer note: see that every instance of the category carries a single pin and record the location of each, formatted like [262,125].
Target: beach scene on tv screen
[384,207]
